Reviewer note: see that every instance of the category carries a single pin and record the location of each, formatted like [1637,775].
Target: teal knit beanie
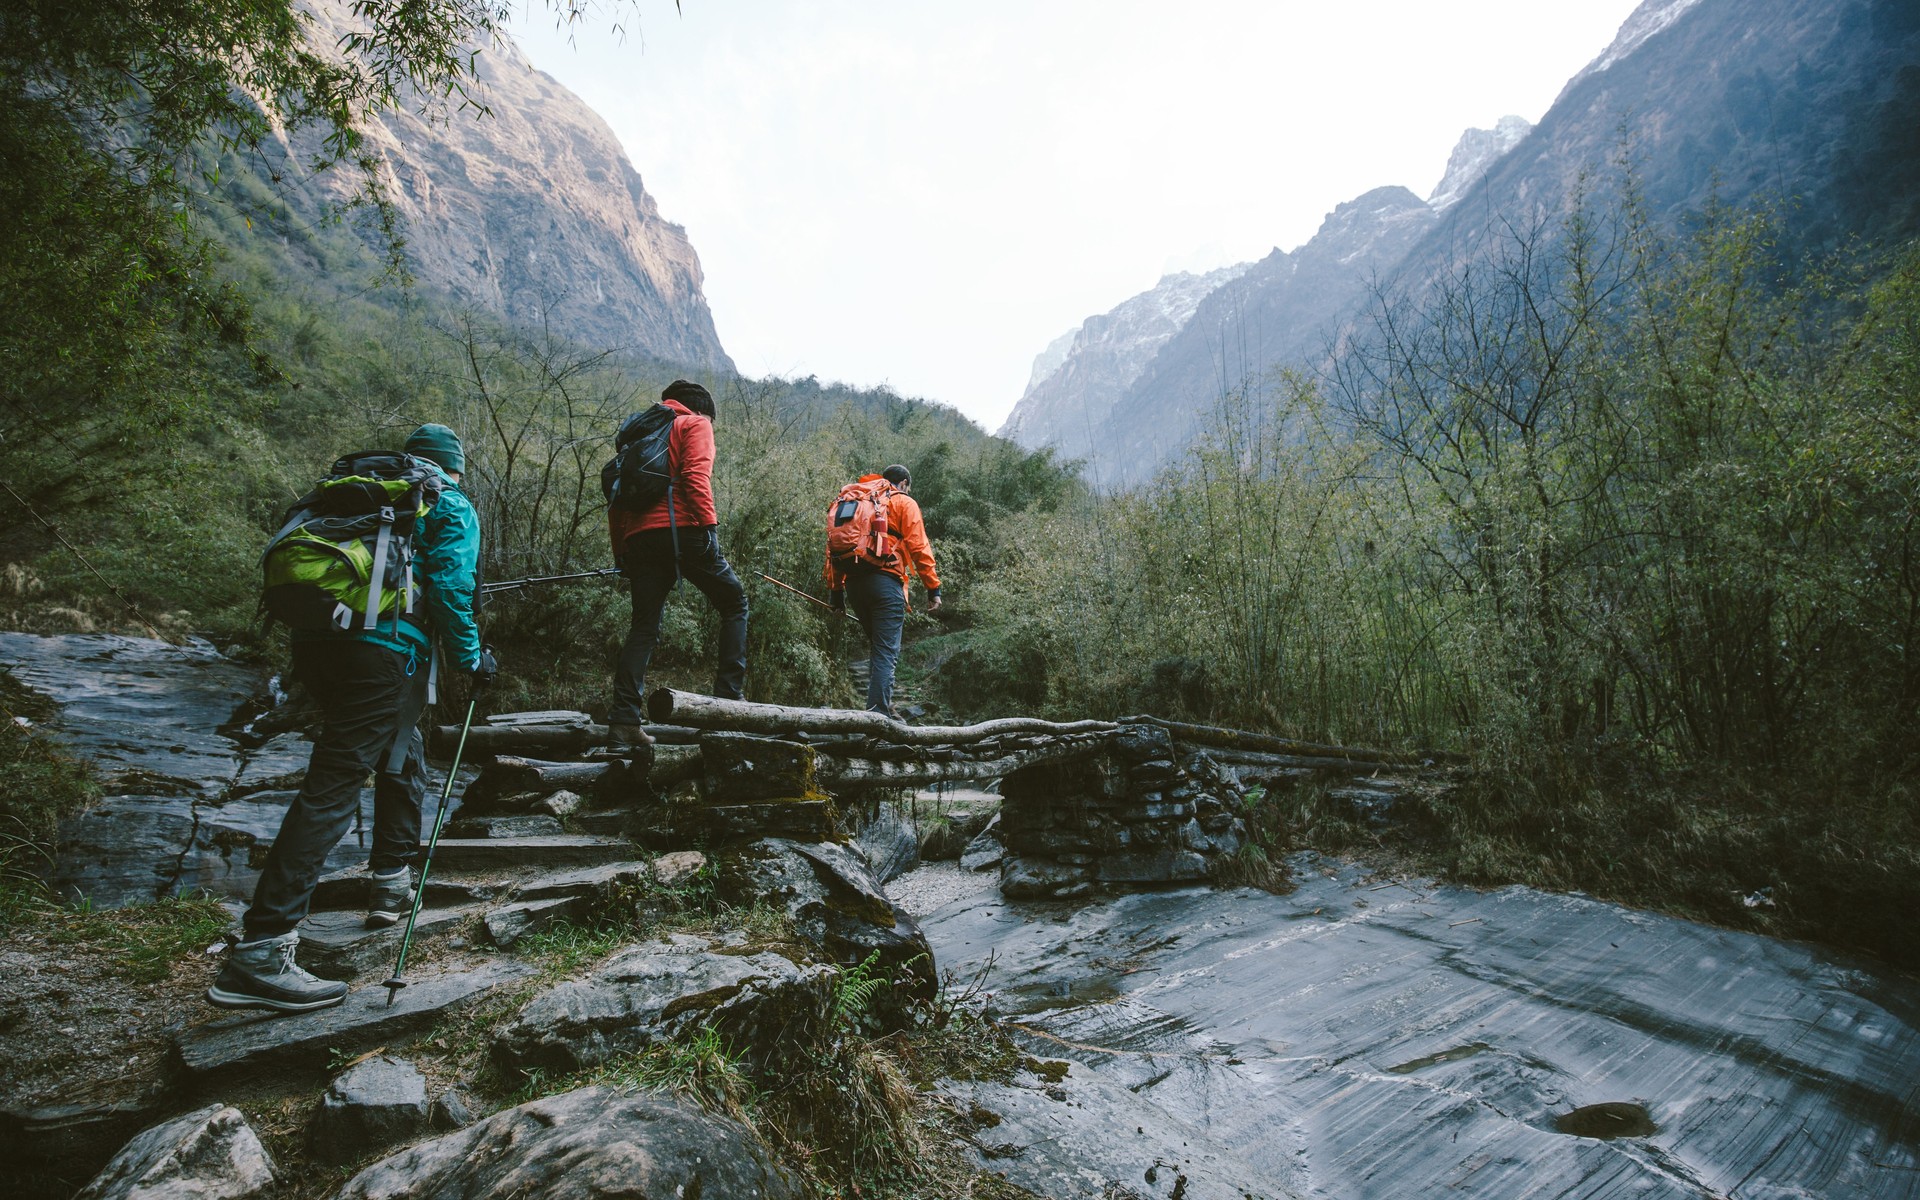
[440,444]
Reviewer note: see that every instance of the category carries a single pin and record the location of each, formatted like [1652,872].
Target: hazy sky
[924,193]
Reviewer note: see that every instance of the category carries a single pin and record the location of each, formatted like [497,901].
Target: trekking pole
[509,585]
[806,596]
[394,985]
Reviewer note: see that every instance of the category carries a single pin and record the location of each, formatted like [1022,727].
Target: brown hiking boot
[627,737]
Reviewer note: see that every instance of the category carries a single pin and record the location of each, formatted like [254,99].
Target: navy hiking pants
[880,601]
[648,562]
[368,693]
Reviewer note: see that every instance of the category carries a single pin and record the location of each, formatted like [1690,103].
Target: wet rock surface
[189,805]
[587,1143]
[210,1154]
[1361,1038]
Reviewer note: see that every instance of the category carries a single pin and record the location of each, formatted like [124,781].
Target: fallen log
[1309,762]
[1242,739]
[741,716]
[512,776]
[835,772]
[528,738]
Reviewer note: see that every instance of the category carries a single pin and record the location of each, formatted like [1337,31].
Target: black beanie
[898,474]
[690,394]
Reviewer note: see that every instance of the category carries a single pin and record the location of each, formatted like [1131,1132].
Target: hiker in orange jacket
[879,594]
[654,549]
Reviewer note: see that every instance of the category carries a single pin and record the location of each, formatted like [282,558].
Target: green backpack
[344,553]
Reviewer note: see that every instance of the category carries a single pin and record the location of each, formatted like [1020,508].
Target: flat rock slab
[511,922]
[338,945]
[346,888]
[567,850]
[1085,1138]
[1363,1037]
[238,1045]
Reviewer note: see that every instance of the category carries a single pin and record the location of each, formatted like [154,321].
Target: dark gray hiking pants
[880,602]
[650,569]
[367,692]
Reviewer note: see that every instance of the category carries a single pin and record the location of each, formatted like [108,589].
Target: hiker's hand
[837,601]
[933,603]
[485,671]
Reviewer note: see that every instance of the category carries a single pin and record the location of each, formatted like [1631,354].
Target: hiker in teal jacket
[373,686]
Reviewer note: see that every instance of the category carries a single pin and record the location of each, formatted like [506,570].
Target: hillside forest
[1624,512]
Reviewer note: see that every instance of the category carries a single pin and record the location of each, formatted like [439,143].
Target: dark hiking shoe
[262,974]
[627,737]
[389,897]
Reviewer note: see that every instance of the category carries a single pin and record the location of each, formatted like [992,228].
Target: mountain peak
[1473,154]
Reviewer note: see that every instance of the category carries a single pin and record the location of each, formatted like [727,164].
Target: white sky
[924,193]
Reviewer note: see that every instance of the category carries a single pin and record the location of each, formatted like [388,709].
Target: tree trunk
[1264,743]
[711,712]
[834,772]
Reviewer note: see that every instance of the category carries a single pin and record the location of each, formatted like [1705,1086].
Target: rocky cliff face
[534,214]
[1730,101]
[1076,377]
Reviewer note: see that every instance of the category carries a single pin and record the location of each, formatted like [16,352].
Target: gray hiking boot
[627,737]
[389,897]
[262,974]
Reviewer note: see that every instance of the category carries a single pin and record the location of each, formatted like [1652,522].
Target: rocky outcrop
[584,1144]
[209,1154]
[762,1004]
[369,1107]
[532,213]
[835,904]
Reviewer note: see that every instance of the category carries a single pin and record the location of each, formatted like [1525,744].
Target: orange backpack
[857,534]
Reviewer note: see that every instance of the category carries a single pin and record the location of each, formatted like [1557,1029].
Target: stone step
[528,825]
[347,889]
[338,945]
[565,850]
[248,1043]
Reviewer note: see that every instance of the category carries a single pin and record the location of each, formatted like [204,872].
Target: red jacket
[690,461]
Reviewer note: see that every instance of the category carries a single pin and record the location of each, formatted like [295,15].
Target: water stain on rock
[1443,1056]
[1613,1119]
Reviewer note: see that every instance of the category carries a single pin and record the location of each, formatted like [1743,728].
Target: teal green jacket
[446,566]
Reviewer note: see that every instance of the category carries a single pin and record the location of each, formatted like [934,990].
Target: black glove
[485,671]
[837,600]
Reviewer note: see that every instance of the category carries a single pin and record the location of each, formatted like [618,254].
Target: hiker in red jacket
[655,550]
[878,591]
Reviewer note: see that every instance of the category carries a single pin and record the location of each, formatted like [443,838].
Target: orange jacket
[690,461]
[909,530]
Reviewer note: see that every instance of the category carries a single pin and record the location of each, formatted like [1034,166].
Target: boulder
[986,850]
[209,1154]
[762,1004]
[584,1145]
[888,844]
[1039,879]
[367,1108]
[837,907]
[562,803]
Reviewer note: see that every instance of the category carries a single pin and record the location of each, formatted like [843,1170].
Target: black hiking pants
[369,694]
[648,562]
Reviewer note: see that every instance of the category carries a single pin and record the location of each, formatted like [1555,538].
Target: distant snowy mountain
[1813,106]
[1477,150]
[1078,374]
